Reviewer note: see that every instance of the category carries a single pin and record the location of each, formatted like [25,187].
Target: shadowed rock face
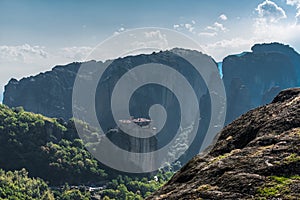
[254,78]
[50,93]
[282,49]
[251,79]
[256,156]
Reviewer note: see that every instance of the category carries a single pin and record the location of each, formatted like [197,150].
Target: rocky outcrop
[251,79]
[282,49]
[50,93]
[254,78]
[134,144]
[257,156]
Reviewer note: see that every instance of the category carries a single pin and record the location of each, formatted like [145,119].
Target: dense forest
[43,158]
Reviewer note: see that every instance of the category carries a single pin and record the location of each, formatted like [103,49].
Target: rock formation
[48,93]
[257,156]
[254,78]
[251,79]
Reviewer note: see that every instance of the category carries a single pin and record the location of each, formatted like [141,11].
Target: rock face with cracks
[257,156]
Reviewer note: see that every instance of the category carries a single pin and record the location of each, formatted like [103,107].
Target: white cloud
[24,53]
[154,35]
[297,4]
[270,12]
[29,54]
[190,27]
[220,26]
[217,27]
[286,33]
[76,53]
[213,30]
[225,47]
[267,27]
[261,31]
[236,42]
[120,30]
[152,39]
[208,34]
[223,17]
[293,2]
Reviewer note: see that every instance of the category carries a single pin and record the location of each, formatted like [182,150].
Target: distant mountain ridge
[251,79]
[50,93]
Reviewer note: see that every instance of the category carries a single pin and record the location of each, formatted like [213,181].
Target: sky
[37,35]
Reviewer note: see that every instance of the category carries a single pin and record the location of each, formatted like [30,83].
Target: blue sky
[36,35]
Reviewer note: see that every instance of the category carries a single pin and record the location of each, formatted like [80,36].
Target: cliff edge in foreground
[257,156]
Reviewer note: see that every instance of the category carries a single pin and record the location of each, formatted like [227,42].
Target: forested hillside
[52,162]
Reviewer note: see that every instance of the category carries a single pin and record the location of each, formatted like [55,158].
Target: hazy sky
[36,35]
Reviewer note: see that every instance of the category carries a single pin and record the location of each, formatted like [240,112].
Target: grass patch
[277,186]
[291,158]
[216,159]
